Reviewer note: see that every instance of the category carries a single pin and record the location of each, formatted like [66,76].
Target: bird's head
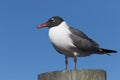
[52,22]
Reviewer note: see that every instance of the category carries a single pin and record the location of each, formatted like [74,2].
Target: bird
[71,42]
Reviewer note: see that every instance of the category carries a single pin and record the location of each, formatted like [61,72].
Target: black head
[52,22]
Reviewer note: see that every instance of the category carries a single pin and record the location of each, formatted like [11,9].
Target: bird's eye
[52,20]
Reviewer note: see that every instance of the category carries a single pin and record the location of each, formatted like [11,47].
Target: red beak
[42,25]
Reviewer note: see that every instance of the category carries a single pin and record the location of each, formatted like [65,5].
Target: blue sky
[26,52]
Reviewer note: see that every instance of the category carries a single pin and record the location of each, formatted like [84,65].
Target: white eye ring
[53,20]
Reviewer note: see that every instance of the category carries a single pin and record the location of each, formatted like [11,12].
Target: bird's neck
[63,25]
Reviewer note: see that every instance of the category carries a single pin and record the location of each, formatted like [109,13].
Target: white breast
[59,36]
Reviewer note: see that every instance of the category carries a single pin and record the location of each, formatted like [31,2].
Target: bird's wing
[82,41]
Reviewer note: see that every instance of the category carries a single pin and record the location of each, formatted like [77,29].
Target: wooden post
[89,74]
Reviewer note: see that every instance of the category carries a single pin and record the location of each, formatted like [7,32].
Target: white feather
[59,36]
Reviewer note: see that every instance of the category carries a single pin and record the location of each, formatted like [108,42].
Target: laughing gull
[71,42]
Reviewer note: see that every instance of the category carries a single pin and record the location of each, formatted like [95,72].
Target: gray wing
[82,41]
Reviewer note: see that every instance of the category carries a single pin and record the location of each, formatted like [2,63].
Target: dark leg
[75,61]
[66,62]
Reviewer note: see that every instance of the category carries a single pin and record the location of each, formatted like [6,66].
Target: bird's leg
[75,61]
[66,62]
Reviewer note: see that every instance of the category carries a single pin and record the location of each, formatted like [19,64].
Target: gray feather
[82,41]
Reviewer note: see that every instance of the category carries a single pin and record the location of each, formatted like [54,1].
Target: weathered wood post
[89,74]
